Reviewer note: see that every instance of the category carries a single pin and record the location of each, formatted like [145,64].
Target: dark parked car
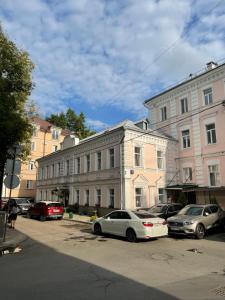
[164,210]
[44,210]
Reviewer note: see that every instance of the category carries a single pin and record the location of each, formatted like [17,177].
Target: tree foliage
[70,120]
[15,87]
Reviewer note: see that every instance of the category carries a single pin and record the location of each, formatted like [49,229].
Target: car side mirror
[206,214]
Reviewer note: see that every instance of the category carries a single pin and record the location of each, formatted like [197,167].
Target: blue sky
[105,57]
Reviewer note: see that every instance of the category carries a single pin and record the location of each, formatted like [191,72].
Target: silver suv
[196,220]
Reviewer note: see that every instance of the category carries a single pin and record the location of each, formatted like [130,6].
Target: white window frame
[208,97]
[184,105]
[31,165]
[186,140]
[209,138]
[29,184]
[140,155]
[138,196]
[187,174]
[160,159]
[215,172]
[55,134]
[33,146]
[161,196]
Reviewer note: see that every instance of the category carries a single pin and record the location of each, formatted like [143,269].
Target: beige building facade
[45,140]
[126,166]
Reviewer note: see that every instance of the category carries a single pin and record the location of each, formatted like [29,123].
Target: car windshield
[192,211]
[143,215]
[158,209]
[22,201]
[56,204]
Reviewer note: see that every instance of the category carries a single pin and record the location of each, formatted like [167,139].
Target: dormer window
[55,134]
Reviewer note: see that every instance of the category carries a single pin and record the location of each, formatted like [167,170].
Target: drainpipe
[122,198]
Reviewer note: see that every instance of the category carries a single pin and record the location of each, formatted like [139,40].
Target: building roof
[46,126]
[192,78]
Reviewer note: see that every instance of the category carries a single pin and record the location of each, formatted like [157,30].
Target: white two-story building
[126,166]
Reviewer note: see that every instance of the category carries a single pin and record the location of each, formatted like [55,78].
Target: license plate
[55,210]
[174,228]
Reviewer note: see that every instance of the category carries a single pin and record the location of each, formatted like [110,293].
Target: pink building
[193,112]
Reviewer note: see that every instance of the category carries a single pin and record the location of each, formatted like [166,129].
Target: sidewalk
[77,218]
[13,239]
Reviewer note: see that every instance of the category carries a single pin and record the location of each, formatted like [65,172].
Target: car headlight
[188,222]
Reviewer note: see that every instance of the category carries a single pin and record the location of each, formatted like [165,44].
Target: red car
[44,210]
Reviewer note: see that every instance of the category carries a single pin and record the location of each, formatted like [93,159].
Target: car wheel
[97,229]
[60,218]
[200,231]
[131,235]
[42,218]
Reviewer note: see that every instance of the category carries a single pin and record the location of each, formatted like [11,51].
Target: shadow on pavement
[40,272]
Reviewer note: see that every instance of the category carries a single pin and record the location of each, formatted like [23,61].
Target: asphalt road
[63,260]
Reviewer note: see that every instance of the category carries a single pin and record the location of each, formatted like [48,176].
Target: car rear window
[22,201]
[55,204]
[143,215]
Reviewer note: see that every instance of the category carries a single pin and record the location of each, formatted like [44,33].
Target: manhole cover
[220,291]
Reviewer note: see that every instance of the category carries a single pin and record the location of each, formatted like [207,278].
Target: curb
[77,221]
[14,242]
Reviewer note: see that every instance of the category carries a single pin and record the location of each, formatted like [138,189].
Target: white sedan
[131,224]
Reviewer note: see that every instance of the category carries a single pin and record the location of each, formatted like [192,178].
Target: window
[53,170]
[160,159]
[213,175]
[161,195]
[99,160]
[163,114]
[55,134]
[31,166]
[184,105]
[78,165]
[54,148]
[208,96]
[138,196]
[35,132]
[29,184]
[186,138]
[111,158]
[67,167]
[111,198]
[87,198]
[137,156]
[77,196]
[98,197]
[47,172]
[211,133]
[88,164]
[58,168]
[32,146]
[187,174]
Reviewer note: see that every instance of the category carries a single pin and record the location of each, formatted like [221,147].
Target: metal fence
[3,221]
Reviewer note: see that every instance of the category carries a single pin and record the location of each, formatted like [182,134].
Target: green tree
[70,120]
[15,87]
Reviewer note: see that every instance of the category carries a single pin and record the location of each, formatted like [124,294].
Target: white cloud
[104,51]
[97,124]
